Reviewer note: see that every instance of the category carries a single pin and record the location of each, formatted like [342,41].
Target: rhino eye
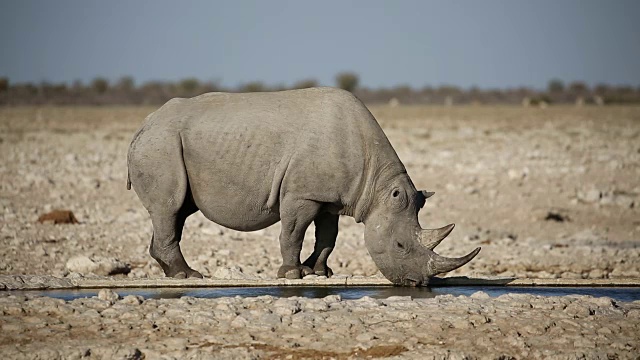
[395,193]
[401,249]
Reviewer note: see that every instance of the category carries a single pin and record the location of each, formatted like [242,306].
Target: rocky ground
[546,192]
[510,326]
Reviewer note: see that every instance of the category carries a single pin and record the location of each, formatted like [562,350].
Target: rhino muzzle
[424,262]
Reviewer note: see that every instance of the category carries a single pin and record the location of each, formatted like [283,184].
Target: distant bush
[555,86]
[189,85]
[304,84]
[126,83]
[124,91]
[621,95]
[578,87]
[254,86]
[4,84]
[209,86]
[541,99]
[347,81]
[77,85]
[100,85]
[449,90]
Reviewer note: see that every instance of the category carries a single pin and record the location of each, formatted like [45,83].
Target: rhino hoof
[293,274]
[196,274]
[290,272]
[324,272]
[183,275]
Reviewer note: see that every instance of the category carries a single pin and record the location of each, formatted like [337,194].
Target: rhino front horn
[430,238]
[440,264]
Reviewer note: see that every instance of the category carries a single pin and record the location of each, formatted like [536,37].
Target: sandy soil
[546,192]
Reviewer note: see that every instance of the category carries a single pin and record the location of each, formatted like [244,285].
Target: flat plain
[547,193]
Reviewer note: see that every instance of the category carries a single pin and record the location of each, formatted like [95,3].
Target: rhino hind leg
[326,234]
[295,216]
[159,177]
[165,242]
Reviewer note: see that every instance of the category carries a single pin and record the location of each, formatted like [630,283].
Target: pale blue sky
[388,43]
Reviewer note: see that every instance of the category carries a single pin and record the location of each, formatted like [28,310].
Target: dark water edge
[625,294]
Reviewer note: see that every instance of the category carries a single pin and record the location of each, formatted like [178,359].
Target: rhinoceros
[249,160]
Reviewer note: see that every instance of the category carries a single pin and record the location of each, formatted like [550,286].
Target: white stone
[97,265]
[108,295]
[232,273]
[132,300]
[480,295]
[81,265]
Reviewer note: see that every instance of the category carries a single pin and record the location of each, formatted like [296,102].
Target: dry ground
[546,192]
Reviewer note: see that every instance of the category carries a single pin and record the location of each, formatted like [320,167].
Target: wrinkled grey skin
[247,161]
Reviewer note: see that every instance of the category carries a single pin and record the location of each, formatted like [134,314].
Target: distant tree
[555,86]
[278,87]
[624,89]
[126,83]
[100,85]
[153,87]
[44,87]
[347,81]
[449,90]
[306,83]
[4,84]
[254,86]
[155,92]
[578,87]
[77,85]
[427,90]
[402,90]
[59,88]
[541,100]
[30,88]
[210,86]
[189,85]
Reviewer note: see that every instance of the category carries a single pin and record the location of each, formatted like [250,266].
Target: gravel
[510,326]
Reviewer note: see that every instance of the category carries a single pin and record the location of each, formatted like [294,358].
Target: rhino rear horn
[427,194]
[430,238]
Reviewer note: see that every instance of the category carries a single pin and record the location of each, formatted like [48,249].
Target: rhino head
[401,249]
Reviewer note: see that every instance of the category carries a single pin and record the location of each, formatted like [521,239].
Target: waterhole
[347,292]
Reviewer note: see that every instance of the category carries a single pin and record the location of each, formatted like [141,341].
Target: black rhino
[247,161]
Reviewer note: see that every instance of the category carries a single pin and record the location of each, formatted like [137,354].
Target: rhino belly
[231,181]
[236,215]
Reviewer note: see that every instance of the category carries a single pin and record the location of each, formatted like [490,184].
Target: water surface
[350,292]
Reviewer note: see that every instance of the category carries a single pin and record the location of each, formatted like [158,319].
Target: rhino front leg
[326,233]
[296,216]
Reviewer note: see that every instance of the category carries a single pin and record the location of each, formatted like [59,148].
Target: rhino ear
[427,194]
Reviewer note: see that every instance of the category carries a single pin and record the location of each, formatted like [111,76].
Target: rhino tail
[128,159]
